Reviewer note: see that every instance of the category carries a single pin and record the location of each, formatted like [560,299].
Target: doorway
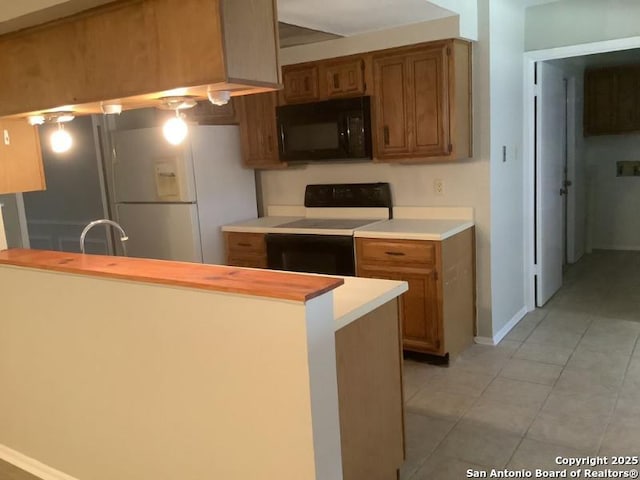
[537,234]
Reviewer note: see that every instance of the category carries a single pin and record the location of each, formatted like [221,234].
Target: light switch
[7,138]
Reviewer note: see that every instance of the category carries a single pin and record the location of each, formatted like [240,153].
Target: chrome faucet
[104,221]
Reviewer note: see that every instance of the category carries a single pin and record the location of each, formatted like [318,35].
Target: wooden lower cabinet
[438,310]
[243,249]
[370,398]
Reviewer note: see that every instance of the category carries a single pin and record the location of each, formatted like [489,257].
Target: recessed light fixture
[218,97]
[35,120]
[175,130]
[111,108]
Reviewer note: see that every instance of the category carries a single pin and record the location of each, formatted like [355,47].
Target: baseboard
[624,248]
[504,330]
[484,341]
[31,465]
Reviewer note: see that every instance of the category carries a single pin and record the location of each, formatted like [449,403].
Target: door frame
[530,91]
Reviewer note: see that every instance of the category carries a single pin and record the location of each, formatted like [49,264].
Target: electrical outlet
[438,187]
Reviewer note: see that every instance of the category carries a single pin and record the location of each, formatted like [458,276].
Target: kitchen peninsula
[141,369]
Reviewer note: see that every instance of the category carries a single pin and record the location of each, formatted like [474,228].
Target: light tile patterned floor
[564,382]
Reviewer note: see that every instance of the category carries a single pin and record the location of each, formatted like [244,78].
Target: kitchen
[459,189]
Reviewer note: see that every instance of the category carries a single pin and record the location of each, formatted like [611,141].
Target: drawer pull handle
[395,254]
[244,244]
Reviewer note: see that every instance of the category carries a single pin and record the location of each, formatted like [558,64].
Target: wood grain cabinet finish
[422,102]
[134,52]
[244,249]
[612,100]
[438,310]
[258,130]
[21,168]
[300,83]
[343,78]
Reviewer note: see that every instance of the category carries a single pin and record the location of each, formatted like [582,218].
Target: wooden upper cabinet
[21,167]
[343,78]
[423,102]
[258,130]
[134,52]
[391,119]
[300,84]
[612,100]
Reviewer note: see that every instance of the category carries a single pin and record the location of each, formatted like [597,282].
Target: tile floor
[564,382]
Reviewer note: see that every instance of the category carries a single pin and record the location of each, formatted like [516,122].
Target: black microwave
[323,131]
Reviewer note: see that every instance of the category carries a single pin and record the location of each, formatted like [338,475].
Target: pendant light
[61,140]
[175,129]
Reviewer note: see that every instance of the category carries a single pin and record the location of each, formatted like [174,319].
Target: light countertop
[414,229]
[259,225]
[359,296]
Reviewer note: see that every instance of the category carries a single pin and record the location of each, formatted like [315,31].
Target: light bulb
[175,130]
[61,141]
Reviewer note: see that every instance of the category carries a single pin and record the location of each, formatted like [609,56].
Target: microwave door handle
[282,139]
[347,133]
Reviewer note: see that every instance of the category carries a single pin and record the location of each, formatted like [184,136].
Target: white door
[550,122]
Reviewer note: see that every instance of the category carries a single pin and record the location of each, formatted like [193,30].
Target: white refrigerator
[172,200]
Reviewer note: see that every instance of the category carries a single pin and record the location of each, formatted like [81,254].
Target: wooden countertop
[217,278]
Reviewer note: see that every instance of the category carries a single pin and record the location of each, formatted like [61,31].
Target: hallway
[564,382]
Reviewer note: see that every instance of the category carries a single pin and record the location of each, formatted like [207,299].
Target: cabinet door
[419,308]
[391,117]
[422,322]
[344,78]
[21,167]
[628,99]
[429,103]
[300,84]
[257,114]
[600,100]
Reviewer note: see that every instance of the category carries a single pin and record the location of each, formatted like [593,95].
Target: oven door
[329,254]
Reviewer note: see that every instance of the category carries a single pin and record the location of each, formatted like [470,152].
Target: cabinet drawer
[248,261]
[404,252]
[240,244]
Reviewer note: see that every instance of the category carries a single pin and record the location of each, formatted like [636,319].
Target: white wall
[109,379]
[572,22]
[613,209]
[506,42]
[466,183]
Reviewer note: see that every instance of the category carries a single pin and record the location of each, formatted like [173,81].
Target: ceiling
[292,35]
[301,20]
[352,17]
